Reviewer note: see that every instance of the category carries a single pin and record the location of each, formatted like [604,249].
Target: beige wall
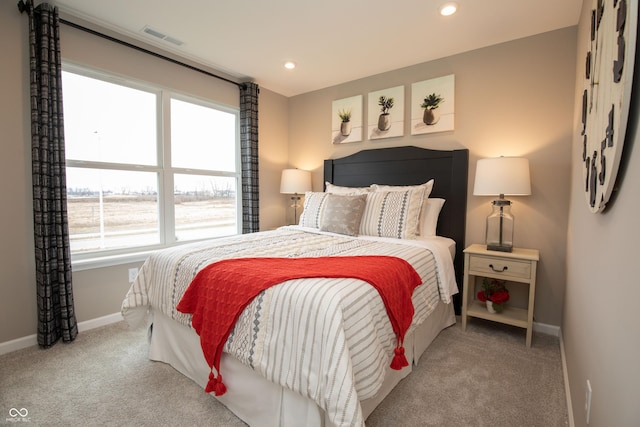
[17,270]
[513,99]
[97,292]
[273,151]
[600,326]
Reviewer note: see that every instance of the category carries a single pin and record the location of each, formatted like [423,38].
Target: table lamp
[499,177]
[296,182]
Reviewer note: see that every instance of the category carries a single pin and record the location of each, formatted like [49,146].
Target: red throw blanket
[220,292]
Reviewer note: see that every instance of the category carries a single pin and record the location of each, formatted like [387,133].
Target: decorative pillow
[429,216]
[392,214]
[428,186]
[312,210]
[337,189]
[342,214]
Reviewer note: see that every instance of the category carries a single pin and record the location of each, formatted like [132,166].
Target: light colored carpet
[483,377]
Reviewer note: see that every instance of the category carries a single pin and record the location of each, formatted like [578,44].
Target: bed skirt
[258,401]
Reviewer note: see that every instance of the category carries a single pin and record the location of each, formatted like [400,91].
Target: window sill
[100,261]
[109,261]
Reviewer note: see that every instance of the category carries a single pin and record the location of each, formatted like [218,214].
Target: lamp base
[500,226]
[501,248]
[295,204]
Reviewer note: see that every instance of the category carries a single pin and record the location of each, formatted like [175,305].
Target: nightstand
[518,266]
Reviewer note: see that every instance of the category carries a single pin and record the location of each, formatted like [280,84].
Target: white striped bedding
[328,339]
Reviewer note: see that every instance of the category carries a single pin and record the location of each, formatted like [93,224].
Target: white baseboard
[31,340]
[567,389]
[100,321]
[557,332]
[546,329]
[18,344]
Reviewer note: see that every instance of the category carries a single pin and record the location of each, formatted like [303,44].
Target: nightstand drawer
[496,265]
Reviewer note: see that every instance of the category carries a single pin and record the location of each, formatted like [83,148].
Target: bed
[287,361]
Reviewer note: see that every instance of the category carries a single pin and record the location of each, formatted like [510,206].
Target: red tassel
[220,387]
[211,384]
[215,385]
[399,360]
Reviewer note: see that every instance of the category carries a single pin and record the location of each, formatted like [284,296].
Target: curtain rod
[22,7]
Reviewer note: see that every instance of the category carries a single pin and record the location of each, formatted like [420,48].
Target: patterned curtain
[249,157]
[56,314]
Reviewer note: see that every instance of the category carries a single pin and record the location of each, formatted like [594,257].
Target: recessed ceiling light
[448,9]
[289,65]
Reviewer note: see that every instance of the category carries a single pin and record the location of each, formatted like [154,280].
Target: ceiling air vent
[162,36]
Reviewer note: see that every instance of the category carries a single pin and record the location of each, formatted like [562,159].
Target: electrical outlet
[587,402]
[133,273]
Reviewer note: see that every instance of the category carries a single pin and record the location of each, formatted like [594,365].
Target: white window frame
[166,213]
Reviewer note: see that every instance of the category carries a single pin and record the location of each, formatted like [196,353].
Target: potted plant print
[430,104]
[384,121]
[345,126]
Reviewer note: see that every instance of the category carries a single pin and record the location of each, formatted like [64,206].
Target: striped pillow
[312,211]
[428,186]
[392,214]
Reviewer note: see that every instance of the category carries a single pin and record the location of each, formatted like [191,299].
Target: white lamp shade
[502,175]
[295,181]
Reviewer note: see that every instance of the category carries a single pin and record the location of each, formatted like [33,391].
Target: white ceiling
[332,41]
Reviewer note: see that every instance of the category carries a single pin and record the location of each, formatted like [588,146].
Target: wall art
[606,96]
[346,120]
[385,113]
[432,105]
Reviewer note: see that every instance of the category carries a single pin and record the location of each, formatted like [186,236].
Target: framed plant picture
[346,120]
[432,105]
[385,113]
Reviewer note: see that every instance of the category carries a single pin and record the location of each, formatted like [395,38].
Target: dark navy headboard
[411,166]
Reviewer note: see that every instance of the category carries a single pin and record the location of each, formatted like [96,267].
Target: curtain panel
[56,313]
[249,157]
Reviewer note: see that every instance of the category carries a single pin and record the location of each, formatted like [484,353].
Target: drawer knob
[505,268]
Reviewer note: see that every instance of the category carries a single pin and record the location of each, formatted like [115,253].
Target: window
[146,168]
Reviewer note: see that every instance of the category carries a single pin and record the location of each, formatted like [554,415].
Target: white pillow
[429,216]
[312,211]
[392,214]
[338,189]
